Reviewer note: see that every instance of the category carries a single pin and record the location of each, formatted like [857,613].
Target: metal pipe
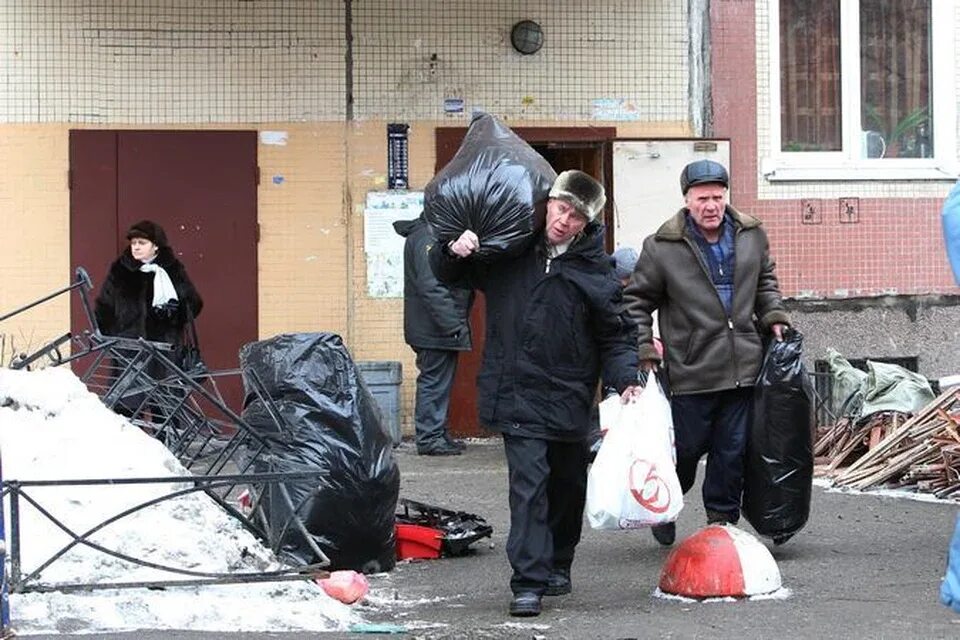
[4,590]
[27,307]
[14,531]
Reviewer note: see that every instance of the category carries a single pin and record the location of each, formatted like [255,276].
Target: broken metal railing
[185,410]
[23,581]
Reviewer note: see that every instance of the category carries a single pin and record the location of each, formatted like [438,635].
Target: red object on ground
[720,561]
[345,586]
[416,541]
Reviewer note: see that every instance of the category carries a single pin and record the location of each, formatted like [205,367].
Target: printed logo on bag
[651,492]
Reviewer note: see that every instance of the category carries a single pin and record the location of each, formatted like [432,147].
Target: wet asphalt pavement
[864,567]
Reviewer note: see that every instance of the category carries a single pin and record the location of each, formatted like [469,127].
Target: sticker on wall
[278,179]
[278,138]
[614,109]
[453,105]
[382,245]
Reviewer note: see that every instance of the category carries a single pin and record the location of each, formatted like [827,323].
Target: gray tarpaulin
[883,387]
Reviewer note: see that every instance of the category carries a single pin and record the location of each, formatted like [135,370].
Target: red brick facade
[895,247]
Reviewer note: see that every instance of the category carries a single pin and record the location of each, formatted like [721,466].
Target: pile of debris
[891,432]
[921,453]
[848,439]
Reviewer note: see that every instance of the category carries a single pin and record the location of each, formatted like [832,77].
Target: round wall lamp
[526,37]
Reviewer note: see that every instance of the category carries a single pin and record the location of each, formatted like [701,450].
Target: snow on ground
[907,494]
[52,428]
[780,594]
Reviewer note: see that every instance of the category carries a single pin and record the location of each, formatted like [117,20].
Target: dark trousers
[435,379]
[716,424]
[548,487]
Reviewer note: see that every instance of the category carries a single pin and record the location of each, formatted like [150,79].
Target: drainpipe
[698,56]
[5,630]
[347,194]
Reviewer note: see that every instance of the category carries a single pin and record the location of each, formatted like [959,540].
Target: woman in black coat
[147,293]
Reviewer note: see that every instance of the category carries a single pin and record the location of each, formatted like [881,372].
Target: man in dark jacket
[435,326]
[554,322]
[708,273]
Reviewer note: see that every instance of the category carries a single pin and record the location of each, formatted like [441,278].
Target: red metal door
[202,187]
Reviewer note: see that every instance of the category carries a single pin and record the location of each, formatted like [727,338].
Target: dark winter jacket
[435,316]
[548,335]
[125,305]
[705,348]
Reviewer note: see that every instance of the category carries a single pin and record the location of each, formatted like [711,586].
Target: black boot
[441,448]
[455,442]
[718,517]
[525,604]
[665,534]
[559,583]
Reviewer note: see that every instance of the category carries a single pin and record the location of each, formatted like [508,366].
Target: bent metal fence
[184,410]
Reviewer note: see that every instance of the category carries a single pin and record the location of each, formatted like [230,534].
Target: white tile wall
[223,61]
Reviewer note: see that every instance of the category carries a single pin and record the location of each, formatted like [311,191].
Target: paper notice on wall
[382,245]
[273,137]
[616,109]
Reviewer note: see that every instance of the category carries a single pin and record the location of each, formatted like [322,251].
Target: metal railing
[183,409]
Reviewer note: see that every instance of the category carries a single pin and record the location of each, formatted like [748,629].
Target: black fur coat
[125,304]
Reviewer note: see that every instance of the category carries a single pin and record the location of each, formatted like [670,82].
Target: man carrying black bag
[554,321]
[709,272]
[779,468]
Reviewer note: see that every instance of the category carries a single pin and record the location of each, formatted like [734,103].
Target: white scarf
[163,289]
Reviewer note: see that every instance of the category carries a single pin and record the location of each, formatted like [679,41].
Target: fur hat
[582,191]
[148,230]
[624,261]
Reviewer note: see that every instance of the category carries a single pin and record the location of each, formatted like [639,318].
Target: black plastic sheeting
[496,186]
[331,424]
[778,477]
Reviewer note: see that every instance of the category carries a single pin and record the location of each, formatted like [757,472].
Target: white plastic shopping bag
[633,482]
[609,413]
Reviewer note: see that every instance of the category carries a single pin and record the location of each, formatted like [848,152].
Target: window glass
[810,95]
[895,87]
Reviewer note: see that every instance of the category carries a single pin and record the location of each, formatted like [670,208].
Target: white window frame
[847,165]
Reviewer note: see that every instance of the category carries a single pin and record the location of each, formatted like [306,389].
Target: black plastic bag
[330,423]
[778,476]
[496,185]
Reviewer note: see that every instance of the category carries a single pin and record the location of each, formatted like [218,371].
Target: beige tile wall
[34,234]
[279,66]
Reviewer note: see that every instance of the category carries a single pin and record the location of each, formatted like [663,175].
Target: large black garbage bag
[496,185]
[778,476]
[328,423]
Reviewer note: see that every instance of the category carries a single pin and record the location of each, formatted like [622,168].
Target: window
[862,89]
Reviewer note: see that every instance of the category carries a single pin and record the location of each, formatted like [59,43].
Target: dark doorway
[564,148]
[202,187]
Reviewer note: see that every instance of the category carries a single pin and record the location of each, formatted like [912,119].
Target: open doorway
[588,150]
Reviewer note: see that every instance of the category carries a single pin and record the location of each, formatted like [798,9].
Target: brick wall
[895,247]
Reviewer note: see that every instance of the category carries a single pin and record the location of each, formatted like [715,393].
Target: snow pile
[52,428]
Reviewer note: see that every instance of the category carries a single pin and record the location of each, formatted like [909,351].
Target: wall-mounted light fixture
[526,37]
